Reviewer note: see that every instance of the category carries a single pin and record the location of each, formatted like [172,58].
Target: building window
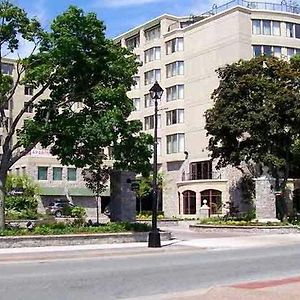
[152,54]
[175,68]
[136,83]
[29,108]
[267,50]
[256,27]
[136,103]
[149,122]
[189,202]
[42,173]
[175,116]
[266,27]
[175,45]
[290,52]
[158,146]
[297,31]
[71,174]
[148,101]
[152,76]
[28,90]
[201,170]
[214,200]
[57,173]
[152,34]
[175,143]
[289,29]
[133,42]
[175,92]
[7,69]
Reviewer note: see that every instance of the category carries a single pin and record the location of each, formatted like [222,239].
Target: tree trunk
[3,176]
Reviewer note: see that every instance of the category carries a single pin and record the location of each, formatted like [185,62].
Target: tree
[28,192]
[256,115]
[80,79]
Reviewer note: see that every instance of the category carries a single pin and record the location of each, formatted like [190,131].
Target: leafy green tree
[80,79]
[256,115]
[27,200]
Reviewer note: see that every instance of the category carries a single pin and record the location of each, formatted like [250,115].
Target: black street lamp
[154,236]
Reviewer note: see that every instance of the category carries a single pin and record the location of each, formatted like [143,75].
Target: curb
[76,239]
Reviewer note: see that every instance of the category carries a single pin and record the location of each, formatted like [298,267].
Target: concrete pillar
[265,199]
[204,211]
[123,199]
[198,201]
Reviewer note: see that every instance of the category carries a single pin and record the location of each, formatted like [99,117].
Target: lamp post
[154,236]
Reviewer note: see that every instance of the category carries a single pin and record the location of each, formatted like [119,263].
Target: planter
[76,239]
[246,229]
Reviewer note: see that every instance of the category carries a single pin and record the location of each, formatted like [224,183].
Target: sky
[119,15]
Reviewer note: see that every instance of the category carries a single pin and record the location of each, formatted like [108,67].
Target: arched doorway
[189,202]
[214,200]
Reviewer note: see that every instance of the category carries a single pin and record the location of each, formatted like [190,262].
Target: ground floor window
[189,203]
[214,200]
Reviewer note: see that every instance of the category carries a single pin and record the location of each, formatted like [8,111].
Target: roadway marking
[265,284]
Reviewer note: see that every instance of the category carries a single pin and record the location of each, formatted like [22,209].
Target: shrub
[78,212]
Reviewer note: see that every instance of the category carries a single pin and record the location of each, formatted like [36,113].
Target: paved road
[143,273]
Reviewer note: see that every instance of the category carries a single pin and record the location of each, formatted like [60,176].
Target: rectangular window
[152,54]
[152,34]
[136,103]
[201,170]
[175,143]
[149,122]
[290,52]
[152,76]
[175,68]
[266,27]
[256,27]
[136,85]
[71,174]
[289,30]
[133,42]
[28,90]
[297,31]
[175,116]
[148,101]
[7,69]
[276,28]
[175,45]
[42,173]
[277,52]
[158,146]
[29,108]
[175,92]
[57,173]
[267,50]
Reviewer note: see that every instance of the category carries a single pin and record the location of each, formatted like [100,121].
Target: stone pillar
[198,200]
[265,200]
[204,210]
[123,199]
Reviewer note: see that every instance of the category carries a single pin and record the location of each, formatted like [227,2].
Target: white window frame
[175,143]
[175,116]
[175,45]
[175,68]
[152,76]
[152,54]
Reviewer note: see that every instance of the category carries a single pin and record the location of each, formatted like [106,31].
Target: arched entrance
[214,200]
[189,202]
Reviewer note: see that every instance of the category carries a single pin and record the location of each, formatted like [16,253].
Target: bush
[21,215]
[78,212]
[147,214]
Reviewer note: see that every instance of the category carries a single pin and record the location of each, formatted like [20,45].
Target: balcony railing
[283,7]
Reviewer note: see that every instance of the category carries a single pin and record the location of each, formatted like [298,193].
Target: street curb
[76,239]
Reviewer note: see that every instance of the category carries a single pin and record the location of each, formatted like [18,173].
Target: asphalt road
[124,276]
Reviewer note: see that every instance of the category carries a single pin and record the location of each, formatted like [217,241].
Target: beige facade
[182,54]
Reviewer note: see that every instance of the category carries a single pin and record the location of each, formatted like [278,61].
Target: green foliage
[256,114]
[145,185]
[21,214]
[146,215]
[248,188]
[78,212]
[25,202]
[63,228]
